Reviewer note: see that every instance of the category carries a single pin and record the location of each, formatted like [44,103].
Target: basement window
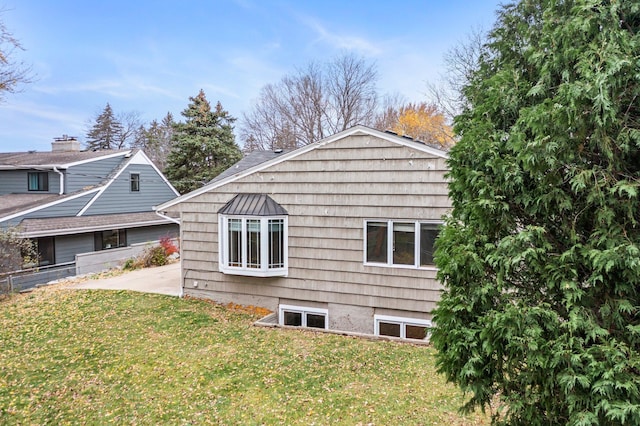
[404,328]
[253,233]
[299,316]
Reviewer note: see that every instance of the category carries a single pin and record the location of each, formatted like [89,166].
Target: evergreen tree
[202,147]
[156,140]
[540,256]
[106,131]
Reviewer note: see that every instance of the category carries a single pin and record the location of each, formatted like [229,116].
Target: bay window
[253,246]
[253,237]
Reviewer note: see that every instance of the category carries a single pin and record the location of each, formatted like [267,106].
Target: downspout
[55,169]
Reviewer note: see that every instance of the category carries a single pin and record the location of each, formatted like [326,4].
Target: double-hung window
[253,237]
[400,243]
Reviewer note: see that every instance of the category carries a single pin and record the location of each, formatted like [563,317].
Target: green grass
[99,357]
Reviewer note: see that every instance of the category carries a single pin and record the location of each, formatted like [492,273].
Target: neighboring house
[70,201]
[336,235]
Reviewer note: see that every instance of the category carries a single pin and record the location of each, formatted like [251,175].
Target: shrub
[154,256]
[130,264]
[168,245]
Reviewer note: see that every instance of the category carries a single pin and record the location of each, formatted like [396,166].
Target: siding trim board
[53,227]
[90,160]
[51,204]
[138,159]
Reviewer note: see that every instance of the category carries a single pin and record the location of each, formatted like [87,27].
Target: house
[70,201]
[337,235]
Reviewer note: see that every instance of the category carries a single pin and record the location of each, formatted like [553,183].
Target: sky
[150,56]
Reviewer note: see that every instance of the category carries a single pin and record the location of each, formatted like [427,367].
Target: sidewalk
[160,279]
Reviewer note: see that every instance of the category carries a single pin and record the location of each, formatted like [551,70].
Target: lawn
[101,357]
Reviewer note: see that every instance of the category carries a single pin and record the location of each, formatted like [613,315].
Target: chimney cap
[65,138]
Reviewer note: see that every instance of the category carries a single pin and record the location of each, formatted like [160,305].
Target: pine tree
[106,131]
[202,147]
[540,257]
[156,140]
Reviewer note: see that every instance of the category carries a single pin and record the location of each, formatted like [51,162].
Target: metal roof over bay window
[253,205]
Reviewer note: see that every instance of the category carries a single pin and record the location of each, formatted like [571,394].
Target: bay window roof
[252,205]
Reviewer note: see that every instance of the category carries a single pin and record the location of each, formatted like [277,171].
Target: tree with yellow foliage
[424,122]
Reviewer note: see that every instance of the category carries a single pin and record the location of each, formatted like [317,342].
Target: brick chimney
[65,143]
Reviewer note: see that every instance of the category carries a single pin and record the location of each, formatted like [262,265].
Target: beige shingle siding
[328,193]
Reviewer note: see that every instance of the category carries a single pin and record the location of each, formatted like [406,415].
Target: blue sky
[151,56]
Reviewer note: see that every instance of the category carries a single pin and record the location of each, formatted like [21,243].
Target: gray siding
[67,246]
[151,233]
[118,198]
[91,173]
[15,182]
[328,192]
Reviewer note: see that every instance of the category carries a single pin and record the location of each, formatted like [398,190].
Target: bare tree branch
[460,63]
[311,104]
[13,73]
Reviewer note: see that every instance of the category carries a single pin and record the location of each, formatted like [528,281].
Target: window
[253,245]
[38,181]
[45,249]
[298,316]
[135,182]
[252,232]
[401,243]
[404,328]
[105,240]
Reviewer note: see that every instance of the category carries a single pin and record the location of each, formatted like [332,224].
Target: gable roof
[138,157]
[253,205]
[239,172]
[15,205]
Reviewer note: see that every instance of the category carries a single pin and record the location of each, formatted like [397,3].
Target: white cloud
[39,111]
[341,41]
[100,86]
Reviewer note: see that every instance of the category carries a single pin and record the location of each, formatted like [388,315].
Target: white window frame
[390,240]
[403,322]
[263,270]
[304,310]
